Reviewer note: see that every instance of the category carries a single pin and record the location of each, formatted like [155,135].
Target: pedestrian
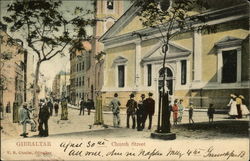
[56,107]
[131,108]
[81,107]
[115,106]
[238,105]
[44,115]
[175,111]
[1,110]
[98,110]
[32,118]
[64,106]
[8,110]
[90,105]
[140,113]
[232,105]
[50,107]
[181,110]
[190,112]
[150,110]
[244,108]
[24,118]
[210,112]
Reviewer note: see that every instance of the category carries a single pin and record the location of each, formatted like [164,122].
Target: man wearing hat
[149,110]
[24,118]
[140,112]
[131,108]
[115,105]
[190,112]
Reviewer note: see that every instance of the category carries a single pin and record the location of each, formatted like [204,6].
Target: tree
[46,30]
[171,18]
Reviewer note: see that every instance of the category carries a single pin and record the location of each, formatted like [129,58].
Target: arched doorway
[169,79]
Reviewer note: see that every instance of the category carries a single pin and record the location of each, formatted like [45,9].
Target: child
[175,111]
[210,113]
[190,112]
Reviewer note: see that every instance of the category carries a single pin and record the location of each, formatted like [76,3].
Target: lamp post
[163,129]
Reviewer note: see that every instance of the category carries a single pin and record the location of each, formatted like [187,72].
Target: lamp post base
[163,136]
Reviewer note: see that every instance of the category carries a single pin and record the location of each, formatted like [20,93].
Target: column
[219,66]
[178,73]
[197,56]
[238,65]
[188,71]
[137,63]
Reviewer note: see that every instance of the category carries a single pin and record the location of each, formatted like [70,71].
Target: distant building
[59,86]
[79,64]
[107,13]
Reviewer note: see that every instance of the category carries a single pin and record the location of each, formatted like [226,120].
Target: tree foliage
[47,30]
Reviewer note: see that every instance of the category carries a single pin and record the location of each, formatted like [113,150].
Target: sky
[58,63]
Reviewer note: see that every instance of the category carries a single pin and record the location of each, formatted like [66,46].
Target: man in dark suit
[131,109]
[43,120]
[82,107]
[149,110]
[90,105]
[140,112]
[50,107]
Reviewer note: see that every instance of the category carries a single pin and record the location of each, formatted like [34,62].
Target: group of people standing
[46,107]
[138,111]
[237,106]
[89,104]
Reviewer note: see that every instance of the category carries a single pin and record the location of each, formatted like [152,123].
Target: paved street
[78,126]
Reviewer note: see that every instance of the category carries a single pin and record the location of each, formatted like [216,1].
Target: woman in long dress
[175,111]
[244,108]
[232,104]
[180,109]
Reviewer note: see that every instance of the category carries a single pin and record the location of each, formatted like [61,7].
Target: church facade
[200,67]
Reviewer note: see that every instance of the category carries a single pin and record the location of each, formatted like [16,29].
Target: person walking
[8,109]
[50,107]
[131,108]
[210,113]
[90,105]
[44,115]
[56,107]
[150,110]
[140,113]
[81,107]
[115,106]
[24,118]
[190,112]
[232,105]
[32,118]
[244,108]
[180,110]
[175,111]
[1,110]
[238,106]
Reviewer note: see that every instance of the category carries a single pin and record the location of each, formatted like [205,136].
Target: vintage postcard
[124,80]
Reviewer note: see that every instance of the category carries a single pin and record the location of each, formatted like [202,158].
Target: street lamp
[163,129]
